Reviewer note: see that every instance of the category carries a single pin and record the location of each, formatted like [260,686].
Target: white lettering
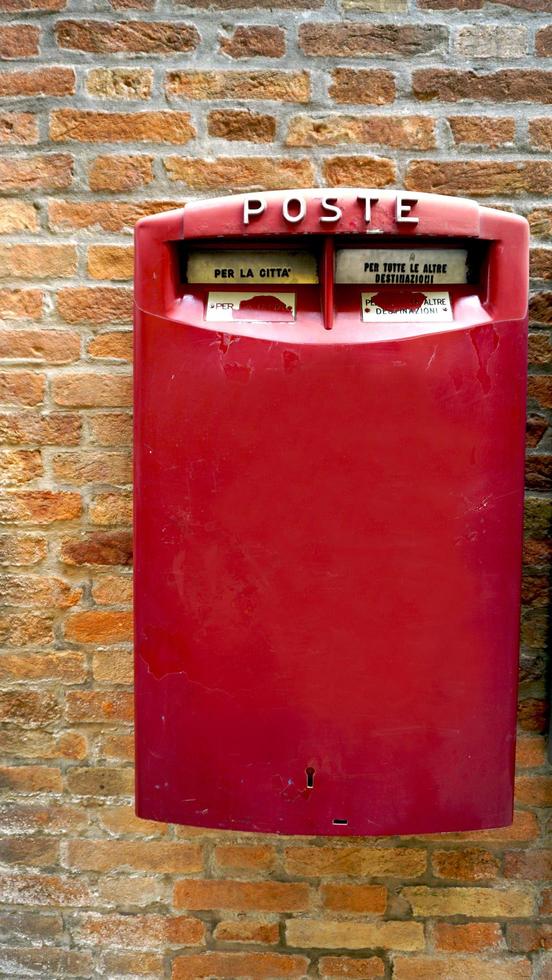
[368,201]
[329,204]
[403,208]
[252,206]
[302,208]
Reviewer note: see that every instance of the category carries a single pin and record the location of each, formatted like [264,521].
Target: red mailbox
[330,405]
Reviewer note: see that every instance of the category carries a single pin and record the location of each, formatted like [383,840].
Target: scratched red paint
[328,542]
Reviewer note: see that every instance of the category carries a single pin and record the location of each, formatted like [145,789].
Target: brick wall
[112,110]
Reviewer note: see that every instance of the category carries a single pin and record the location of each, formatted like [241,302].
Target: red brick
[244,173]
[19,128]
[468,864]
[37,261]
[105,37]
[279,86]
[45,429]
[107,509]
[19,41]
[492,131]
[540,263]
[91,390]
[120,173]
[21,304]
[80,468]
[506,85]
[29,707]
[337,861]
[22,549]
[99,781]
[21,388]
[119,820]
[90,707]
[246,857]
[162,857]
[529,938]
[232,965]
[86,126]
[530,752]
[109,216]
[250,42]
[48,172]
[98,548]
[102,304]
[95,626]
[15,6]
[368,86]
[247,931]
[30,779]
[359,899]
[480,177]
[529,865]
[19,466]
[38,590]
[389,40]
[367,171]
[110,262]
[543,42]
[241,124]
[340,967]
[39,506]
[417,132]
[66,666]
[54,346]
[262,896]
[136,931]
[55,82]
[111,428]
[17,216]
[471,937]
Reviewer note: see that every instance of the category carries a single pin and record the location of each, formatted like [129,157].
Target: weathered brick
[540,134]
[17,216]
[116,964]
[112,590]
[162,857]
[491,41]
[22,629]
[113,666]
[368,86]
[529,938]
[19,128]
[529,865]
[130,37]
[249,42]
[357,170]
[22,549]
[119,820]
[540,263]
[492,131]
[530,752]
[38,590]
[355,935]
[243,173]
[120,173]
[505,85]
[131,891]
[410,132]
[467,864]
[89,707]
[117,747]
[30,925]
[482,903]
[46,172]
[246,857]
[101,304]
[19,41]
[120,83]
[459,968]
[110,262]
[108,509]
[31,743]
[280,86]
[336,861]
[85,126]
[543,42]
[19,466]
[40,889]
[99,781]
[46,429]
[340,40]
[115,345]
[36,852]
[35,961]
[54,346]
[32,707]
[30,779]
[39,506]
[55,82]
[80,468]
[247,931]
[360,899]
[98,548]
[240,124]
[111,428]
[67,667]
[108,216]
[91,390]
[271,966]
[37,261]
[21,304]
[480,177]
[140,931]
[21,388]
[347,968]
[14,6]
[472,937]
[262,896]
[95,626]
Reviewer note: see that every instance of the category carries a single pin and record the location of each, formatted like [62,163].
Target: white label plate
[254,307]
[402,266]
[248,268]
[413,306]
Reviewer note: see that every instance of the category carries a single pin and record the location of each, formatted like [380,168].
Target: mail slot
[329,449]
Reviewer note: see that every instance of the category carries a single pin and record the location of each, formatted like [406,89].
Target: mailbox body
[328,534]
